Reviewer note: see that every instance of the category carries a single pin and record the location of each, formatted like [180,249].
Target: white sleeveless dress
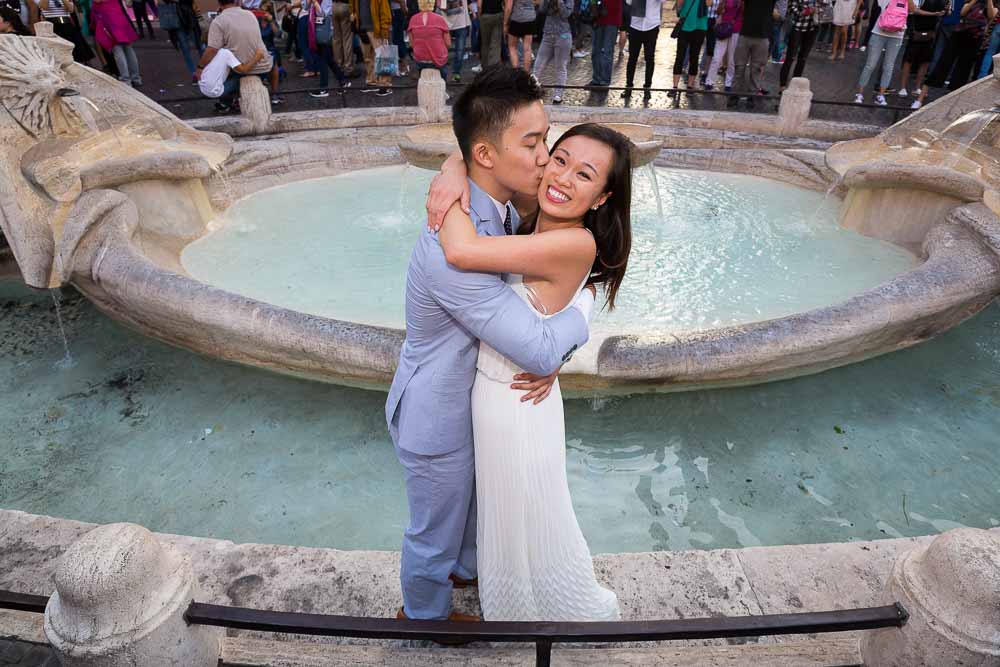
[534,564]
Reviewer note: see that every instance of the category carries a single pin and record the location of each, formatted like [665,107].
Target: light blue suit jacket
[448,311]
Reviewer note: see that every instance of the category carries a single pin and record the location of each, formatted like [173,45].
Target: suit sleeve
[492,312]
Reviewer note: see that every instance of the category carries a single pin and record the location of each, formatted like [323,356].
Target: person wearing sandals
[844,13]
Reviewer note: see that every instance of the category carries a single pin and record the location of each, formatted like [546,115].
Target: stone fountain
[103,189]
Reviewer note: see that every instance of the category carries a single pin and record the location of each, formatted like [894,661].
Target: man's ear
[484,154]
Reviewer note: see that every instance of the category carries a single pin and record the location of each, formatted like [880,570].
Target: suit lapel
[484,212]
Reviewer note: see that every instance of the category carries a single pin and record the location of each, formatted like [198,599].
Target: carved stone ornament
[33,89]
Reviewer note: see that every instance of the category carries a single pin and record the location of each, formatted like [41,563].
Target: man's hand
[197,74]
[538,387]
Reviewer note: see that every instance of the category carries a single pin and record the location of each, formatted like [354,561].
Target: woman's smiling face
[575,178]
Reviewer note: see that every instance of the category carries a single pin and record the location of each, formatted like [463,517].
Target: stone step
[826,652]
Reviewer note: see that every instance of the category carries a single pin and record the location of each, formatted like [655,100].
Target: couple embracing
[495,304]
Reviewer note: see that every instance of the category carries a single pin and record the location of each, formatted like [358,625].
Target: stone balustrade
[121,595]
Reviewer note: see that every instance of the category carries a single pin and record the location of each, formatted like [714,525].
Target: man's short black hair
[226,3]
[486,106]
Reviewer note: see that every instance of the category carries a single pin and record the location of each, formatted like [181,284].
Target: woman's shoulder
[577,241]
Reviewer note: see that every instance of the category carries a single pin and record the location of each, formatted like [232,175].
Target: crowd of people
[720,44]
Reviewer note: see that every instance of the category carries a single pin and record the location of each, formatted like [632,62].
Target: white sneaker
[916,104]
[880,100]
[476,68]
[859,99]
[863,49]
[903,92]
[581,54]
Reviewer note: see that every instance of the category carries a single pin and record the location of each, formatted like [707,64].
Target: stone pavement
[23,654]
[167,82]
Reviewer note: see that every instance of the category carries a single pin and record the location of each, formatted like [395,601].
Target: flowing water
[728,249]
[111,125]
[904,444]
[67,361]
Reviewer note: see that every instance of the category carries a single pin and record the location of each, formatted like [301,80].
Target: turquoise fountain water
[137,431]
[729,249]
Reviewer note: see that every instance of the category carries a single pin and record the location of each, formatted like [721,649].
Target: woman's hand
[538,387]
[449,186]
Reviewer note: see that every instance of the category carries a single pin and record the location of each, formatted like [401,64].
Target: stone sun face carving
[30,81]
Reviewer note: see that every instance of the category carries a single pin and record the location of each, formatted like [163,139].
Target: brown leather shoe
[453,616]
[459,582]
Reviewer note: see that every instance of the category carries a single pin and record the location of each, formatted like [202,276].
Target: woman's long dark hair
[11,16]
[611,223]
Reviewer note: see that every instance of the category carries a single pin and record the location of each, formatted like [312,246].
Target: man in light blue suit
[501,128]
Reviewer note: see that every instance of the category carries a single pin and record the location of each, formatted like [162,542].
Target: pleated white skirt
[534,563]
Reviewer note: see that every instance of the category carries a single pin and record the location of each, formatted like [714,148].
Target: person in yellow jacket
[373,21]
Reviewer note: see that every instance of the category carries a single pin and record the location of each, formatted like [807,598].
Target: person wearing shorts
[920,46]
[519,25]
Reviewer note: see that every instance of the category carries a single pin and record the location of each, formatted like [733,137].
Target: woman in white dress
[533,561]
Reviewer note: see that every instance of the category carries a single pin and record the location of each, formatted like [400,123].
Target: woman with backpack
[727,27]
[887,35]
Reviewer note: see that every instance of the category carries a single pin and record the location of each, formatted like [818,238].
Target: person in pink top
[114,32]
[727,34]
[430,38]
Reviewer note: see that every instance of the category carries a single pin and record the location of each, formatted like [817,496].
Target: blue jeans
[603,53]
[876,43]
[311,57]
[231,88]
[940,41]
[991,49]
[443,69]
[458,41]
[776,43]
[187,41]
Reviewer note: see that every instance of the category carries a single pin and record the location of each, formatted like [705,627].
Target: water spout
[651,170]
[96,109]
[67,361]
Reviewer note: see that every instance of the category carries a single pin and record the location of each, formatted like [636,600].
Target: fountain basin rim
[959,277]
[429,145]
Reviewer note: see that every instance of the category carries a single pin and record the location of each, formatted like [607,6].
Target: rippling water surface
[728,249]
[134,430]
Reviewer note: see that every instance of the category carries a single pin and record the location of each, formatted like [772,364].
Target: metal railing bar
[719,93]
[622,631]
[23,602]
